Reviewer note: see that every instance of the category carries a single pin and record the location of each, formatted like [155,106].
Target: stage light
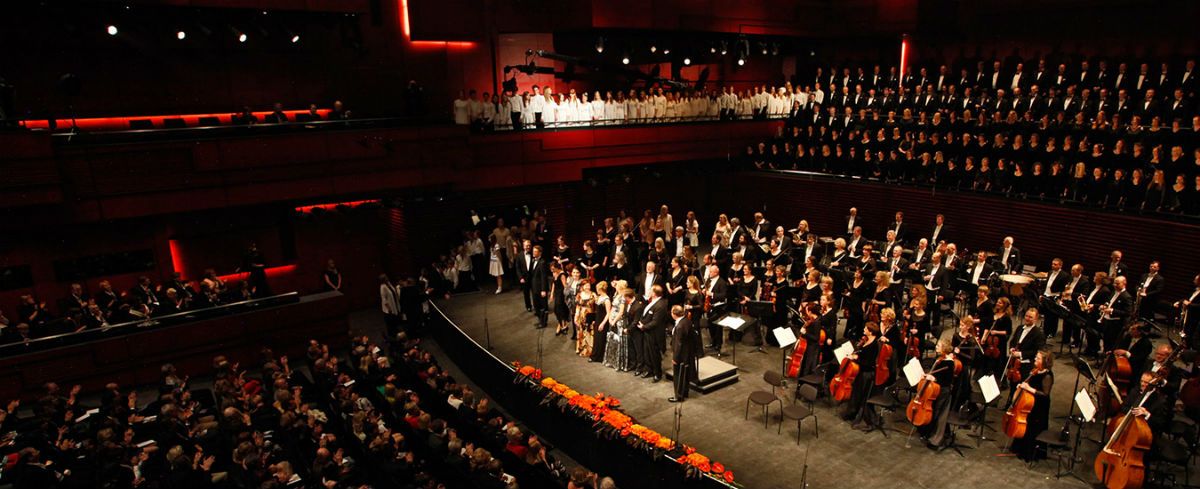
[741,61]
[653,48]
[724,48]
[687,61]
[600,45]
[295,38]
[666,50]
[625,60]
[712,49]
[181,35]
[242,38]
[112,30]
[764,48]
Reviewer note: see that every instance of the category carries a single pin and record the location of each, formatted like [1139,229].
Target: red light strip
[351,204]
[178,265]
[406,28]
[903,58]
[97,123]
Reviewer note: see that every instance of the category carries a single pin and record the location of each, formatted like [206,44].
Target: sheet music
[913,371]
[732,322]
[1084,401]
[843,351]
[784,336]
[988,387]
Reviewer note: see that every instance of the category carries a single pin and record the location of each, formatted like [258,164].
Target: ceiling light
[295,38]
[112,30]
[181,35]
[625,60]
[242,38]
[687,61]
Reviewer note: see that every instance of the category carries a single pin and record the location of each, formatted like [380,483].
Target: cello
[798,352]
[842,384]
[1016,418]
[920,408]
[1120,465]
[883,363]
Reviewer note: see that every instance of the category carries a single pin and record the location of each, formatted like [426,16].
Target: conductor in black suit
[524,260]
[716,289]
[653,325]
[684,349]
[539,284]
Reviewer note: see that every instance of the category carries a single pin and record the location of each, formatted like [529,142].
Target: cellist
[859,413]
[1039,382]
[891,333]
[945,371]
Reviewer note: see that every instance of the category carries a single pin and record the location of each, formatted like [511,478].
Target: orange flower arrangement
[729,476]
[717,468]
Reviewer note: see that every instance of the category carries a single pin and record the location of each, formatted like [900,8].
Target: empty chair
[808,393]
[765,398]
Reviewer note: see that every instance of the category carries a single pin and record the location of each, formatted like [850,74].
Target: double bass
[920,409]
[1117,375]
[842,384]
[801,348]
[1120,463]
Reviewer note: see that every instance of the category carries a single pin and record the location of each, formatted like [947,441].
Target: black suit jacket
[939,280]
[1121,306]
[639,284]
[1034,341]
[1059,283]
[683,345]
[654,317]
[1014,260]
[539,275]
[901,231]
[765,230]
[1155,288]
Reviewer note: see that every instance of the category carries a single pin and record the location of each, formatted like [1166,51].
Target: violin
[801,348]
[1120,464]
[842,384]
[1016,419]
[912,342]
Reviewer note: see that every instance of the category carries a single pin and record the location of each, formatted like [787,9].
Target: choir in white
[545,108]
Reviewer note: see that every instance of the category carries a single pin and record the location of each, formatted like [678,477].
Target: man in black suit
[1009,257]
[721,254]
[1149,290]
[524,261]
[977,273]
[1115,267]
[1027,341]
[539,284]
[683,353]
[646,281]
[653,324]
[1149,106]
[1156,409]
[762,229]
[899,227]
[1077,286]
[1114,313]
[1136,347]
[716,289]
[1190,310]
[939,232]
[1056,281]
[937,283]
[852,221]
[897,267]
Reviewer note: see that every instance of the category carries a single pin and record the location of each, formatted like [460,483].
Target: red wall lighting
[407,29]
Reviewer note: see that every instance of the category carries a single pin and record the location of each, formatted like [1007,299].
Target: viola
[1016,419]
[990,344]
[1013,370]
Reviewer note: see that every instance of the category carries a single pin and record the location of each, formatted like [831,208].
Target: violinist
[866,262]
[1039,382]
[966,343]
[916,319]
[811,332]
[860,415]
[881,295]
[854,298]
[982,307]
[1026,342]
[1001,327]
[716,294]
[693,301]
[811,292]
[828,323]
[945,372]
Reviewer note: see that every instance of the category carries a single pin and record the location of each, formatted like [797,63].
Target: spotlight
[295,38]
[242,38]
[741,61]
[625,60]
[600,45]
[666,50]
[181,35]
[764,49]
[712,49]
[112,30]
[724,48]
[653,48]
[687,61]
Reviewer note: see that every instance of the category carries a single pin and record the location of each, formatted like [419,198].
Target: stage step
[714,374]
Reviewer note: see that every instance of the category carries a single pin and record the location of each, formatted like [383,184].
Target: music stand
[759,310]
[785,337]
[735,322]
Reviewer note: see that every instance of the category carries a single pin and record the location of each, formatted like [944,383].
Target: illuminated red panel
[351,204]
[178,264]
[903,57]
[407,29]
[176,258]
[118,123]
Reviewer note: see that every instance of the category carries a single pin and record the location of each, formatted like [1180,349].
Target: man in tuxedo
[1097,296]
[1155,409]
[539,284]
[1115,267]
[937,284]
[716,289]
[1178,107]
[920,256]
[524,266]
[1077,286]
[1056,281]
[721,254]
[683,353]
[856,242]
[762,228]
[389,303]
[897,266]
[1009,256]
[652,324]
[899,227]
[646,281]
[1190,309]
[1027,341]
[977,272]
[1114,313]
[1149,106]
[939,230]
[886,246]
[852,221]
[678,241]
[1135,347]
[1149,291]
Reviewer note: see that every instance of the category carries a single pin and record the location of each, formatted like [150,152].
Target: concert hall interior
[252,244]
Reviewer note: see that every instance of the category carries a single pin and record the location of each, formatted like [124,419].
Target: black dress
[864,385]
[935,431]
[557,288]
[677,280]
[855,317]
[1027,447]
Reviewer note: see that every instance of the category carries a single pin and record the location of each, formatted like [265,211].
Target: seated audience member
[277,116]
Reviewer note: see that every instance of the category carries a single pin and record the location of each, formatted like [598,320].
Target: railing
[153,322]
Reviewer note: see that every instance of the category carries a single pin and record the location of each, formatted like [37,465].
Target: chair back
[775,379]
[808,393]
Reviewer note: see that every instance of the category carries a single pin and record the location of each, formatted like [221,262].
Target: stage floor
[841,457]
